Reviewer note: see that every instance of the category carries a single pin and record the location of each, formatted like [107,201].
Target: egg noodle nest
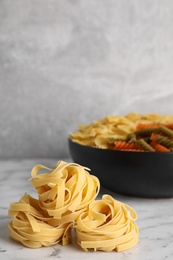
[67,201]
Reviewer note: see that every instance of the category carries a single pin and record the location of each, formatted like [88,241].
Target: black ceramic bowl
[139,174]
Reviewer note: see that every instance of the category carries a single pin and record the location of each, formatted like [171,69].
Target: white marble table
[155,222]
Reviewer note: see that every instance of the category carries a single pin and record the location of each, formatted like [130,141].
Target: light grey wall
[67,62]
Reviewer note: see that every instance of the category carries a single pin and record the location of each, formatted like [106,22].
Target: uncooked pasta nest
[107,225]
[63,194]
[66,200]
[30,225]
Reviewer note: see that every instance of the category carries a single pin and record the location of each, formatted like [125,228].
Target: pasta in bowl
[135,160]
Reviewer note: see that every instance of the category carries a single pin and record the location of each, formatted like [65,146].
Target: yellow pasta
[30,225]
[114,127]
[64,190]
[66,200]
[107,225]
[63,194]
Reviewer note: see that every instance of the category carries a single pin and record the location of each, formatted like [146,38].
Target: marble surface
[155,222]
[65,63]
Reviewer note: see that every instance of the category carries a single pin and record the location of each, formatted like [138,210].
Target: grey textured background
[67,62]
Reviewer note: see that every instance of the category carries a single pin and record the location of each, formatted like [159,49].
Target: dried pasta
[125,145]
[127,132]
[66,200]
[64,190]
[158,147]
[107,225]
[146,132]
[165,131]
[63,194]
[143,126]
[163,140]
[30,225]
[153,125]
[145,145]
[159,139]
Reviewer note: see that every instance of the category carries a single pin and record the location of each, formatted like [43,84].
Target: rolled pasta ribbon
[64,193]
[29,225]
[66,200]
[107,225]
[66,190]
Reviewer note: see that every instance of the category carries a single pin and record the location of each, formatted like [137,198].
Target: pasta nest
[66,200]
[66,191]
[31,227]
[63,194]
[107,225]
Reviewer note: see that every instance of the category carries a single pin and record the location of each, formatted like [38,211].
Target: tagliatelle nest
[64,193]
[107,225]
[66,200]
[65,190]
[30,225]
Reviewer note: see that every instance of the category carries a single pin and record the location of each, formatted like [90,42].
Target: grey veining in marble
[63,63]
[155,222]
